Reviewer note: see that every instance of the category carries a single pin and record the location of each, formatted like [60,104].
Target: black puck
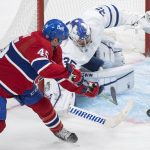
[148,112]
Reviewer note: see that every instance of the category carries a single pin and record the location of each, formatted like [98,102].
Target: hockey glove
[143,23]
[75,75]
[146,26]
[93,89]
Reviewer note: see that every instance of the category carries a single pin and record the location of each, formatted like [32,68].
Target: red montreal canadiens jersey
[24,60]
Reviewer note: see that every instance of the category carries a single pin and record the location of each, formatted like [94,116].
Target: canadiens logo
[60,28]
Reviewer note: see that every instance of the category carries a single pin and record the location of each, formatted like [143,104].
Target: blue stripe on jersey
[37,65]
[53,122]
[3,110]
[110,16]
[21,63]
[117,15]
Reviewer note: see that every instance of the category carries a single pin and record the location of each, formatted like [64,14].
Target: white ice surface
[25,130]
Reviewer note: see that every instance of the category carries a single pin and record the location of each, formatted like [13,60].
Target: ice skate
[67,136]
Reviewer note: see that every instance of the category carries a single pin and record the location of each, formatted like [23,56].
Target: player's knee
[42,107]
[2,125]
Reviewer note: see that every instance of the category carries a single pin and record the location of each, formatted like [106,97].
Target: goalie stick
[108,122]
[113,98]
[113,95]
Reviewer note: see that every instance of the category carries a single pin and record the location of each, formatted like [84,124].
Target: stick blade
[114,121]
[113,95]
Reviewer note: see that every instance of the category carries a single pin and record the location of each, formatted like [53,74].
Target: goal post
[40,23]
[40,14]
[147,36]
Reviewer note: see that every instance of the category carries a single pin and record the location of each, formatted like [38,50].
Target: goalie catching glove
[146,24]
[143,23]
[92,89]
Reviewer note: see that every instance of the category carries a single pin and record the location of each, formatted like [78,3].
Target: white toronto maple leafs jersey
[98,19]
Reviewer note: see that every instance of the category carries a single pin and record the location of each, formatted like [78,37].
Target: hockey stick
[13,107]
[58,96]
[113,98]
[113,95]
[122,115]
[108,122]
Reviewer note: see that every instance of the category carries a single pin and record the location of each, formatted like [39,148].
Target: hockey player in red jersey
[39,54]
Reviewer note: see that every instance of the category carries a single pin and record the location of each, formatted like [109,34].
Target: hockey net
[25,20]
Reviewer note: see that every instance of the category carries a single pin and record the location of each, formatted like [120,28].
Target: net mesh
[25,20]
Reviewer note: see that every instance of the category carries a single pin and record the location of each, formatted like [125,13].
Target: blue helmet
[55,29]
[80,31]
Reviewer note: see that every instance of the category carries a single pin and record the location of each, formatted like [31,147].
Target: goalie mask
[80,33]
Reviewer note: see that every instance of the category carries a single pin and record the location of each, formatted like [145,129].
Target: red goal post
[147,36]
[40,23]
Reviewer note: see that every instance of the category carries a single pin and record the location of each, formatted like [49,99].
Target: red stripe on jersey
[4,93]
[14,79]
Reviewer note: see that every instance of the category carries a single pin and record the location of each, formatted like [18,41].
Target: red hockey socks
[48,115]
